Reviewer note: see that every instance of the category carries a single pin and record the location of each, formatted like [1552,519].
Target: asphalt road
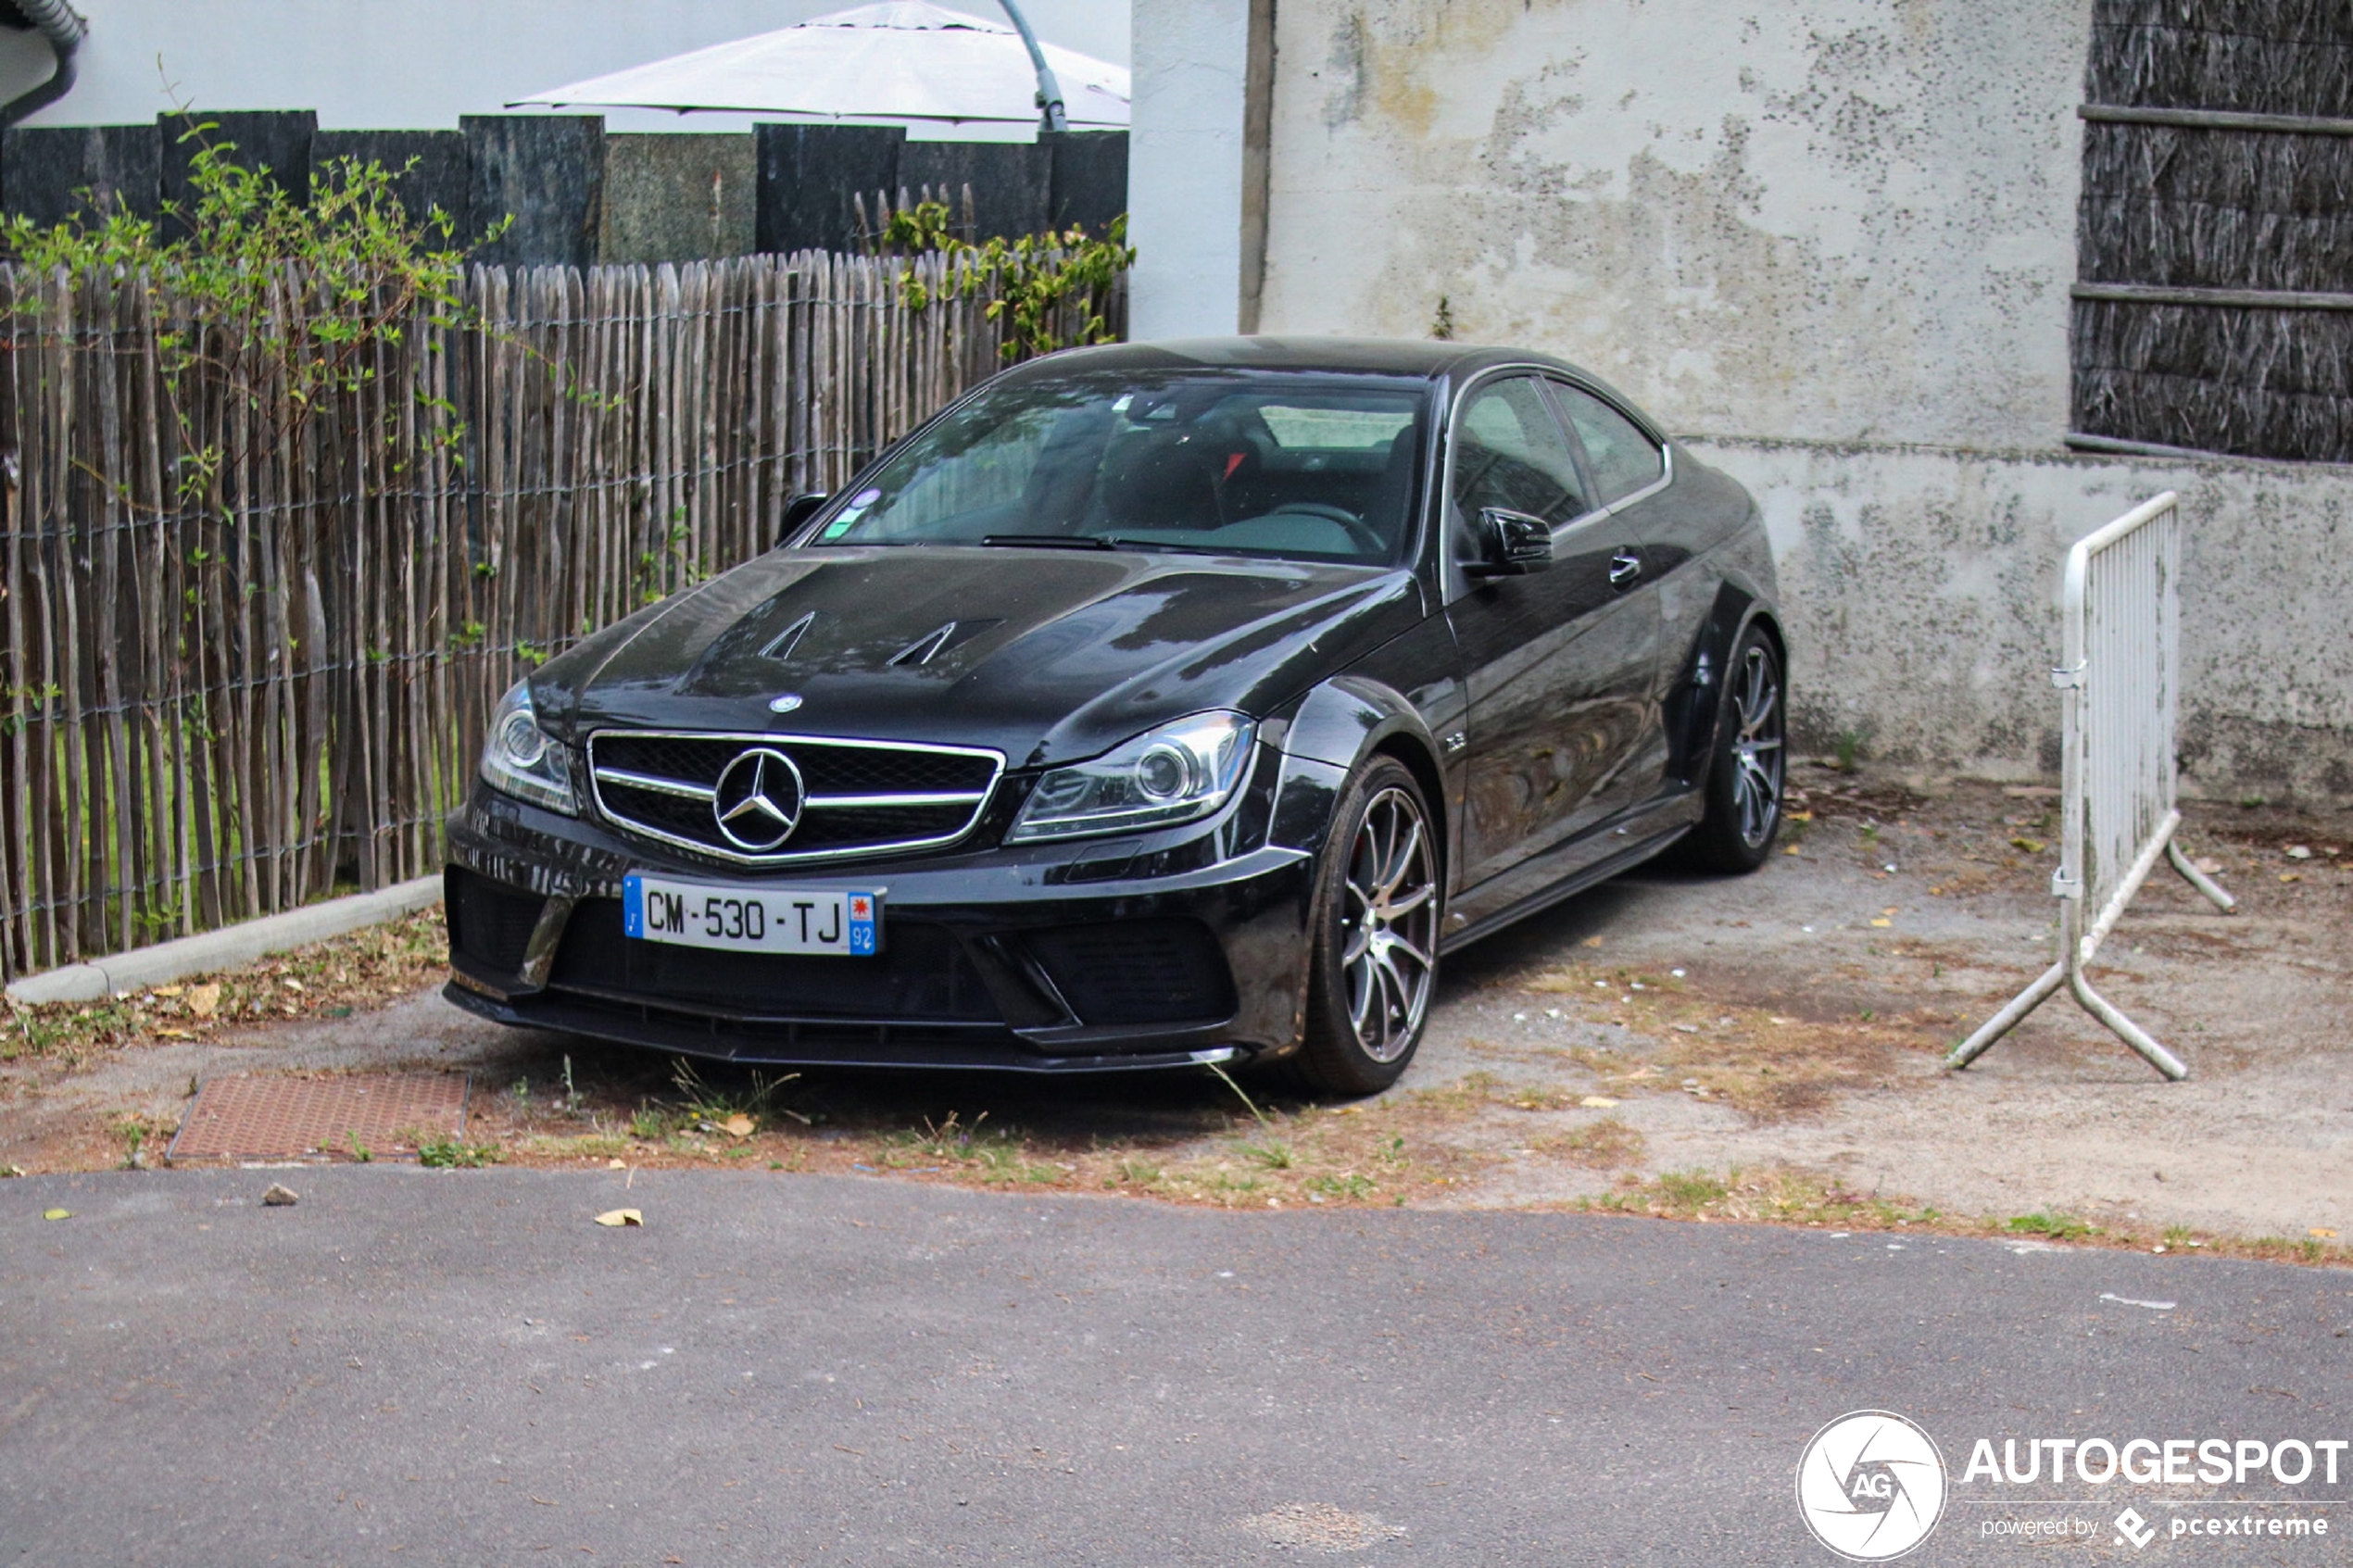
[412,1367]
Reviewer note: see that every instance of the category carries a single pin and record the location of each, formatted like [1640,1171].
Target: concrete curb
[226,948]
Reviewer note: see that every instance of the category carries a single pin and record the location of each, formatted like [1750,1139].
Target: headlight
[520,757]
[1173,774]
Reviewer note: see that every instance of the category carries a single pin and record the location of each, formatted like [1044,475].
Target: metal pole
[1049,94]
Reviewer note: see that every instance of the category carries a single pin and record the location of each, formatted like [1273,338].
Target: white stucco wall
[1826,219]
[420,64]
[1185,167]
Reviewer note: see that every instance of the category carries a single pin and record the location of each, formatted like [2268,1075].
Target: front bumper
[1160,951]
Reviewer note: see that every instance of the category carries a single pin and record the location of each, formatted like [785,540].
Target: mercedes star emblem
[784,704]
[758,801]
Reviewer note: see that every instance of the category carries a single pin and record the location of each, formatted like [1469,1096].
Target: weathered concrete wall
[1837,236]
[1921,586]
[1825,219]
[1185,167]
[677,198]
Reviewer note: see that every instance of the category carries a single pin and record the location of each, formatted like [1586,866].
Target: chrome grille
[860,796]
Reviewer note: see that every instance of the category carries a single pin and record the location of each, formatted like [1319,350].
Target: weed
[1349,1183]
[360,1152]
[1228,1079]
[1140,1174]
[710,1104]
[573,1097]
[2177,1235]
[133,1133]
[1850,750]
[1273,1155]
[2057,1227]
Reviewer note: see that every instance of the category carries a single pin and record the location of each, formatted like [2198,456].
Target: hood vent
[780,647]
[932,644]
[921,650]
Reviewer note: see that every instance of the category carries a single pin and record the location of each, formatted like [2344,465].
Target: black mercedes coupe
[1154,705]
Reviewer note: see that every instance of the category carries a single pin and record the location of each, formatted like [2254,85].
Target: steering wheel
[1366,537]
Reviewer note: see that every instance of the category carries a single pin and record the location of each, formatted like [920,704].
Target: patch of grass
[1138,1173]
[580,1146]
[655,1122]
[1692,1189]
[2055,1227]
[449,1154]
[1600,1146]
[1273,1155]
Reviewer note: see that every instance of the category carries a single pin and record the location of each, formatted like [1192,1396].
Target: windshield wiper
[1126,544]
[1046,541]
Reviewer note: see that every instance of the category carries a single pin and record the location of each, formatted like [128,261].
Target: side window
[1510,452]
[1624,459]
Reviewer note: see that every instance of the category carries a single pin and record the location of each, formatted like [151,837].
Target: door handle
[1624,568]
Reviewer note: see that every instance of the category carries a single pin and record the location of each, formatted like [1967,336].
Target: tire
[1746,764]
[1371,981]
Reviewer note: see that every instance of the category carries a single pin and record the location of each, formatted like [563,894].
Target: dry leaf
[2325,1233]
[737,1126]
[616,1164]
[2299,852]
[57,1213]
[620,1217]
[2208,864]
[2031,845]
[205,1000]
[2291,876]
[1882,920]
[1597,1102]
[1592,941]
[1801,816]
[173,1035]
[169,990]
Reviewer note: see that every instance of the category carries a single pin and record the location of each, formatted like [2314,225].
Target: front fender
[1326,735]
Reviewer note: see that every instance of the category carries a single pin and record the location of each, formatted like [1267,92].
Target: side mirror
[1511,543]
[797,511]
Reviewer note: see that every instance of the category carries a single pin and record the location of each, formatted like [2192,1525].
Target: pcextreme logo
[1871,1485]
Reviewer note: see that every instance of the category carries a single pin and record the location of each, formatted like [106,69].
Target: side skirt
[1568,887]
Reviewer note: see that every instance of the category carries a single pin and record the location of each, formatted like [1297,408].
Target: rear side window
[1510,452]
[1622,458]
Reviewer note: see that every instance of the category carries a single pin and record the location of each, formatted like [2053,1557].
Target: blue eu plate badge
[861,924]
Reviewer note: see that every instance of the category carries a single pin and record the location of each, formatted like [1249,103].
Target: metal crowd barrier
[2120,689]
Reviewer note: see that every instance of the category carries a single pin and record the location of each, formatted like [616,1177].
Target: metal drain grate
[280,1116]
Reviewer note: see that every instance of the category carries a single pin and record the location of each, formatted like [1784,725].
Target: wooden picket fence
[208,713]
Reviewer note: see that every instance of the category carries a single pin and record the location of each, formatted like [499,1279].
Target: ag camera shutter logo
[1871,1485]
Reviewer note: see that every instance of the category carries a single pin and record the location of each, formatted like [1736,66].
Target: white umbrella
[902,60]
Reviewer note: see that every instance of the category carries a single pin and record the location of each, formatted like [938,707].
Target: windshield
[1255,464]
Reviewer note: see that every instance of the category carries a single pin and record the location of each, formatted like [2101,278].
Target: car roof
[1340,355]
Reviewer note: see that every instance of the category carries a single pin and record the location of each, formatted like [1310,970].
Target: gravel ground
[1666,1042]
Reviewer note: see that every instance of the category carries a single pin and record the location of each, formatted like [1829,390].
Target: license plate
[844,921]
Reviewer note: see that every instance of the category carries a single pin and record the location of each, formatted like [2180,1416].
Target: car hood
[1046,655]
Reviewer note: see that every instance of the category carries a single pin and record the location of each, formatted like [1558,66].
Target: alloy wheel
[1390,924]
[1757,746]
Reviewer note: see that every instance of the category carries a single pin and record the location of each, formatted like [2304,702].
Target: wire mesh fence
[221,699]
